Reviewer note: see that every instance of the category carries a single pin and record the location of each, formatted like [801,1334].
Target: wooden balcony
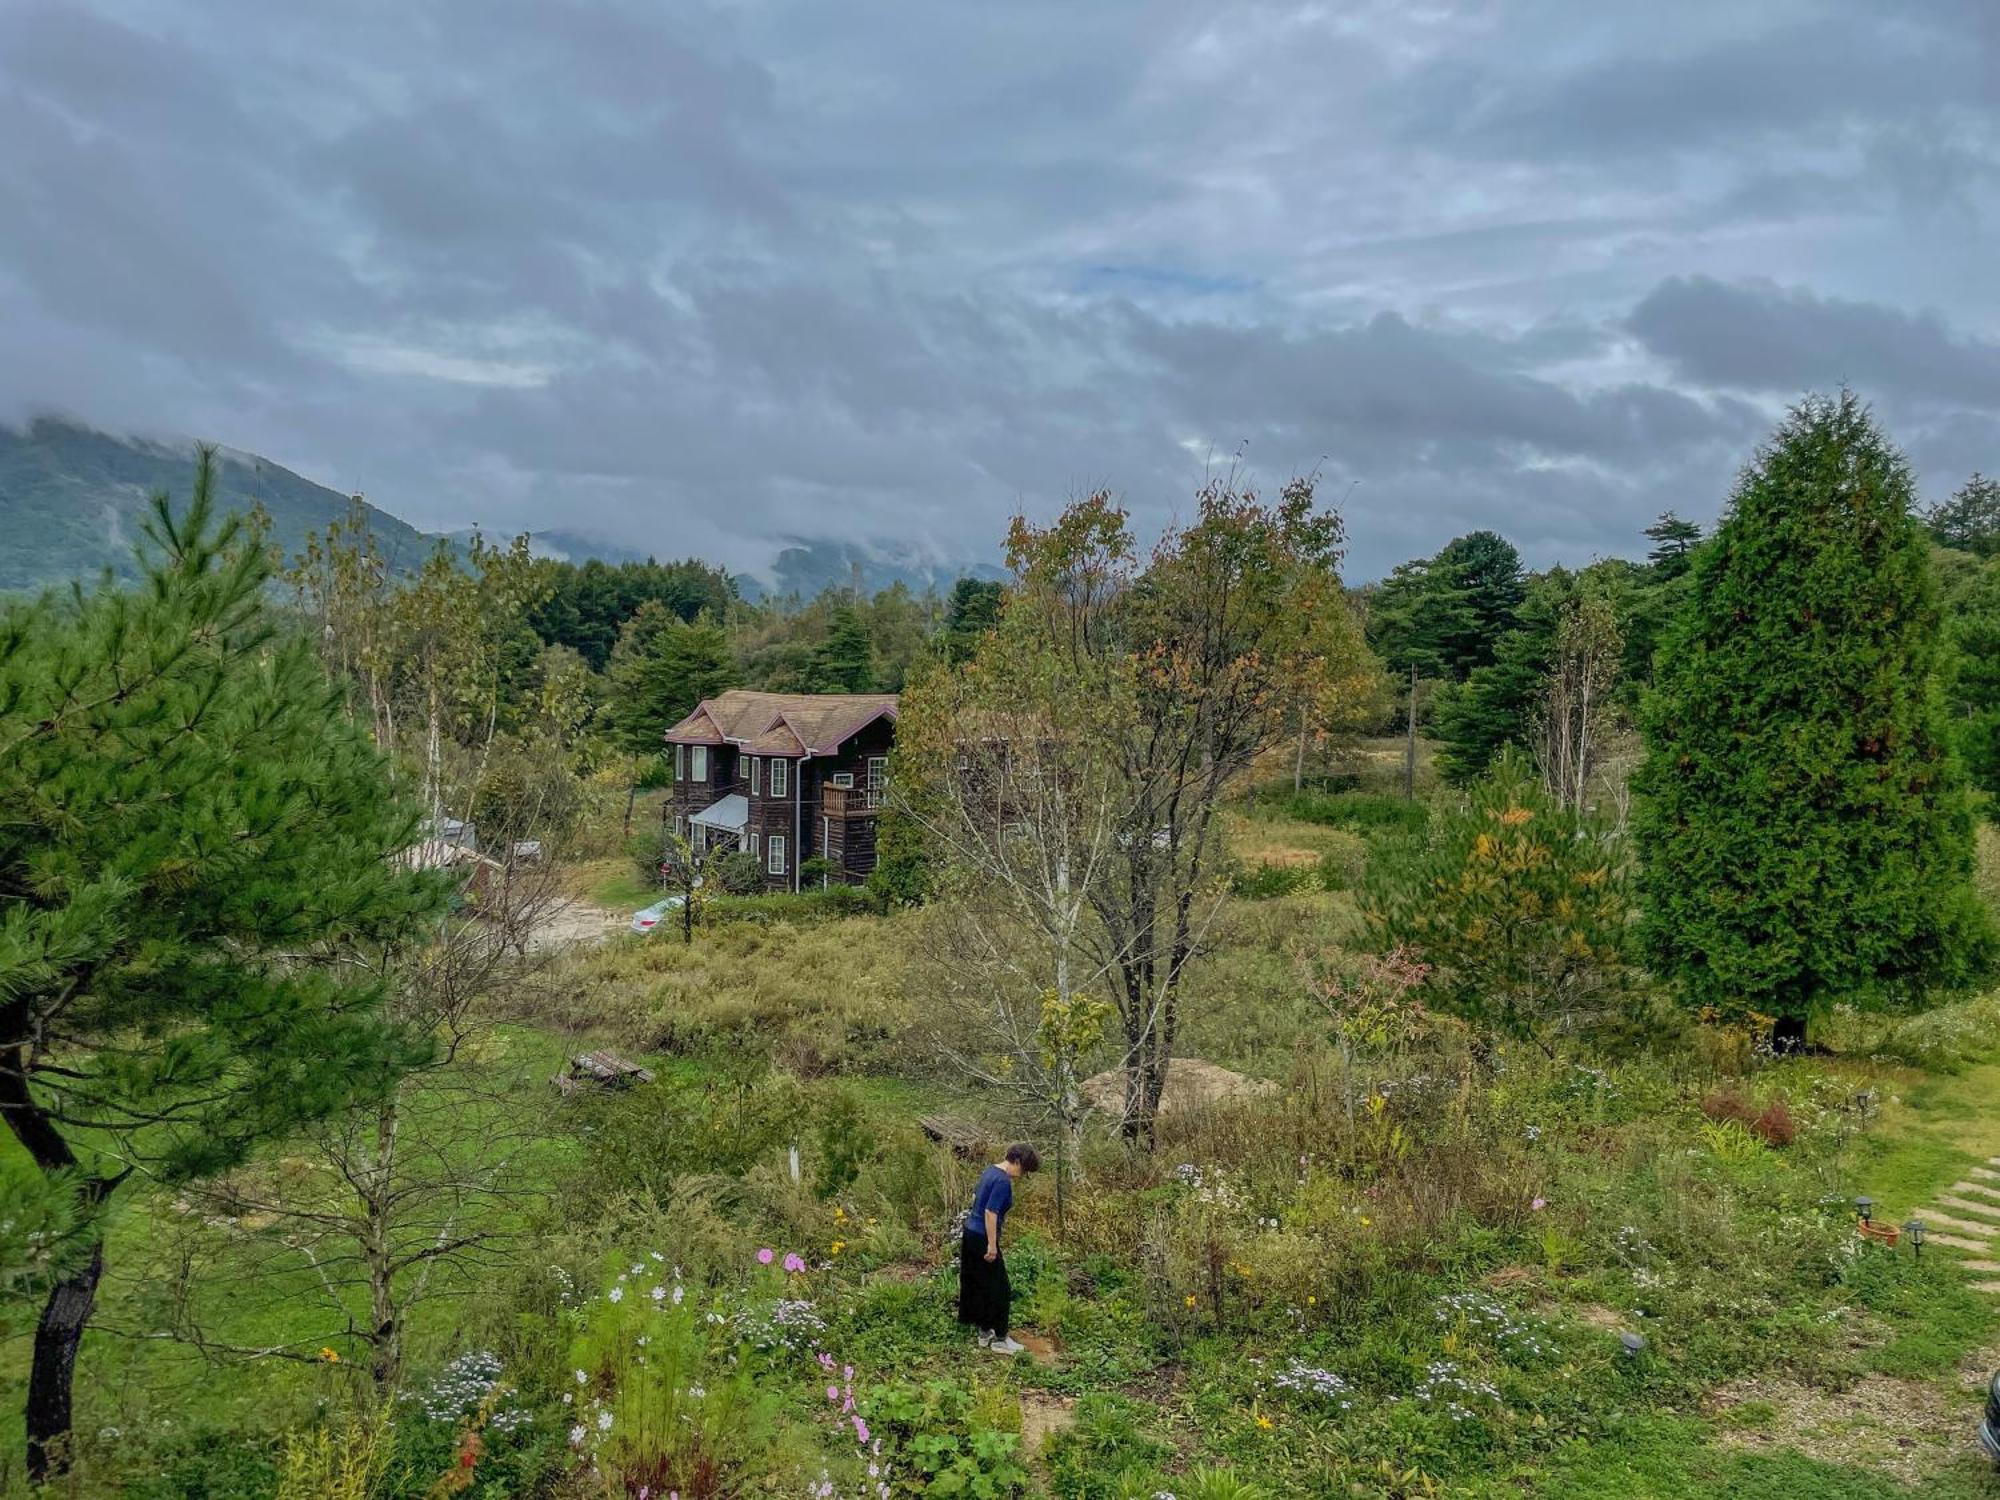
[849,802]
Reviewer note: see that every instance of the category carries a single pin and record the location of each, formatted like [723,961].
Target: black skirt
[984,1297]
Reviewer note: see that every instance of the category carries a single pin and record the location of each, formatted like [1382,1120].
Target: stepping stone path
[1968,1214]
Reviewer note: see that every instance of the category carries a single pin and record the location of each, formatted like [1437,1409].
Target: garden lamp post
[1866,1205]
[1915,1229]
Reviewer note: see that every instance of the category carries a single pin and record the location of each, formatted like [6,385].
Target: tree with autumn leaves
[1194,659]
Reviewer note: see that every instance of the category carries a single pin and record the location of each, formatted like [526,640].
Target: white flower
[637,1271]
[576,1433]
[678,1294]
[581,1378]
[604,1421]
[617,1294]
[658,1294]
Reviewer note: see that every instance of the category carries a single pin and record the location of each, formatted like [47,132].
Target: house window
[755,850]
[878,766]
[700,762]
[843,778]
[680,762]
[756,767]
[776,862]
[779,768]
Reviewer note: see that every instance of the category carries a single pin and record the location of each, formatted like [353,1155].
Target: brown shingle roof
[791,724]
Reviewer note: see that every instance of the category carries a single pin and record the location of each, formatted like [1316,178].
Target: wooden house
[788,777]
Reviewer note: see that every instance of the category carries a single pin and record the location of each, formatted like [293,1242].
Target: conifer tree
[193,833]
[1804,828]
[1495,707]
[1674,541]
[845,661]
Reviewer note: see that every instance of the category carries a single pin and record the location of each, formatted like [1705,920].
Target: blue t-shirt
[995,1191]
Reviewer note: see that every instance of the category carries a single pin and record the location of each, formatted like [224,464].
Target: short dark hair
[1025,1157]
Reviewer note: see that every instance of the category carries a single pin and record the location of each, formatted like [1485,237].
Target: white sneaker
[1007,1347]
[985,1339]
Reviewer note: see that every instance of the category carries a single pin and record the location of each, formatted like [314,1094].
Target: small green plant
[342,1461]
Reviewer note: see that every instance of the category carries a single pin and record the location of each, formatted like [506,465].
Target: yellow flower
[839,1213]
[1366,1221]
[1311,1301]
[331,1356]
[1190,1299]
[838,1246]
[1264,1423]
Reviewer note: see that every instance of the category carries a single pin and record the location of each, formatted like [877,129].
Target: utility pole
[1410,744]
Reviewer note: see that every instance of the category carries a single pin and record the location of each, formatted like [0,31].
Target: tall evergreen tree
[845,660]
[1495,706]
[1972,683]
[193,832]
[971,611]
[661,668]
[1674,541]
[1970,519]
[1443,616]
[1805,832]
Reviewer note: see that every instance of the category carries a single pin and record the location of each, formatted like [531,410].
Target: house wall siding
[812,824]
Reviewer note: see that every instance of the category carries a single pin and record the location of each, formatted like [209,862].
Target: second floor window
[878,771]
[700,759]
[756,769]
[778,771]
[680,762]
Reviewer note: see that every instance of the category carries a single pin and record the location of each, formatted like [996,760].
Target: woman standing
[984,1297]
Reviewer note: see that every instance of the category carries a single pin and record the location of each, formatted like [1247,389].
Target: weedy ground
[1409,1275]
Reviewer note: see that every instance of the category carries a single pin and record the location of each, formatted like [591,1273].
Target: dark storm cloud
[710,278]
[1761,337]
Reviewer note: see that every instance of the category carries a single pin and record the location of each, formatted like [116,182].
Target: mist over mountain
[73,500]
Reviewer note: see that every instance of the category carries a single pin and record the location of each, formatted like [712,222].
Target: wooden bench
[963,1137]
[605,1069]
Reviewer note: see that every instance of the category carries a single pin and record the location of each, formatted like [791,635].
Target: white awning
[728,816]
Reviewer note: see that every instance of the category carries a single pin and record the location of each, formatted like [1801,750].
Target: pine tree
[1804,828]
[972,610]
[1496,705]
[1674,541]
[1970,519]
[1443,616]
[845,660]
[192,833]
[660,670]
[1517,906]
[1972,683]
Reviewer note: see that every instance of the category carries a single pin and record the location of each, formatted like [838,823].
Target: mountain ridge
[73,499]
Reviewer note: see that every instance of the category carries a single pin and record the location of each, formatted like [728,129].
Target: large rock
[1191,1084]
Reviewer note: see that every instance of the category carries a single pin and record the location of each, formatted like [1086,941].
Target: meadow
[1627,1266]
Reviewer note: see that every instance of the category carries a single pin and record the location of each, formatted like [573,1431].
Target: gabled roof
[787,724]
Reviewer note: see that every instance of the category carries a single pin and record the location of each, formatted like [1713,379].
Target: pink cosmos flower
[794,1263]
[1539,1204]
[764,1257]
[833,1393]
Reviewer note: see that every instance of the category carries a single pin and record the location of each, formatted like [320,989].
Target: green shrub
[845,1140]
[1517,904]
[944,1438]
[738,873]
[794,906]
[1106,1448]
[1263,881]
[1369,813]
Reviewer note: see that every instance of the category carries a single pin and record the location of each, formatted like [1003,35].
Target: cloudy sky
[701,278]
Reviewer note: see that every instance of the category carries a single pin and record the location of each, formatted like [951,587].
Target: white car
[655,914]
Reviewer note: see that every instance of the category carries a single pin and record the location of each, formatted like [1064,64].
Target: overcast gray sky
[701,278]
